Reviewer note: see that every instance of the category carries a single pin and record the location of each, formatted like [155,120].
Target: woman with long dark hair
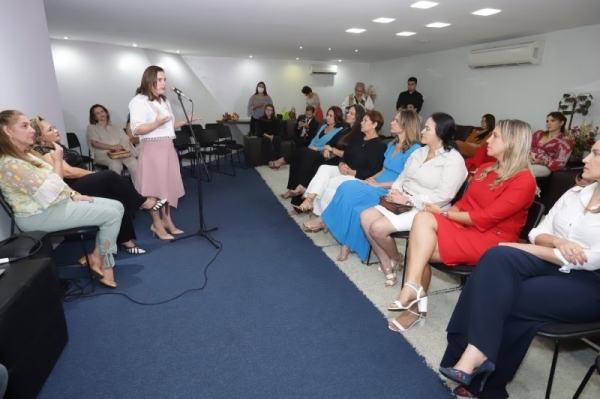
[268,131]
[551,149]
[477,137]
[256,105]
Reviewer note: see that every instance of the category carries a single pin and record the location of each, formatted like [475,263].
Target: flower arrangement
[372,93]
[227,117]
[583,137]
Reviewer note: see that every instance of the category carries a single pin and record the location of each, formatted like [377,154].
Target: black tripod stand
[202,230]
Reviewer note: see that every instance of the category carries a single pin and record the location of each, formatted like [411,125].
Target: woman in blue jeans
[516,289]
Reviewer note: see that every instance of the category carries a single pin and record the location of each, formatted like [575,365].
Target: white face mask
[260,89]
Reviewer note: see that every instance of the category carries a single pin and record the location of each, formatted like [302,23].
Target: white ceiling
[275,29]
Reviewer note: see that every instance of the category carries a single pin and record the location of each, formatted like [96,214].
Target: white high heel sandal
[400,328]
[421,301]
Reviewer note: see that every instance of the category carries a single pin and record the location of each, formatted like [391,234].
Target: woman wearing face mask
[256,106]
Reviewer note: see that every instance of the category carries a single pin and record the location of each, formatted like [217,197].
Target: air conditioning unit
[517,54]
[323,69]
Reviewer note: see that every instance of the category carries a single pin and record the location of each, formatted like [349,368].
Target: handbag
[292,113]
[285,115]
[119,154]
[396,209]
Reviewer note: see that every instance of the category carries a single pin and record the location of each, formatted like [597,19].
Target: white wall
[571,63]
[27,70]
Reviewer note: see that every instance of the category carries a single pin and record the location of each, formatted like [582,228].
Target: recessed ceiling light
[486,12]
[437,25]
[329,49]
[355,30]
[66,37]
[339,60]
[300,47]
[297,58]
[356,51]
[405,33]
[383,20]
[250,56]
[134,45]
[424,4]
[178,51]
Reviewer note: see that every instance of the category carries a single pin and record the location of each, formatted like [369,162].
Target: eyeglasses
[51,129]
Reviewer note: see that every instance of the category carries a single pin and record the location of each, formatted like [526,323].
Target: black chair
[226,140]
[181,142]
[565,332]
[596,366]
[74,144]
[79,232]
[208,140]
[534,215]
[404,234]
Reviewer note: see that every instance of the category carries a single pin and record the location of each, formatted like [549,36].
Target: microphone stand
[202,230]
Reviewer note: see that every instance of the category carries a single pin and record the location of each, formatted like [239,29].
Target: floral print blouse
[555,153]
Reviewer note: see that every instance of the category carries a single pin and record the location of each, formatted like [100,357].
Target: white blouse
[436,181]
[144,111]
[567,220]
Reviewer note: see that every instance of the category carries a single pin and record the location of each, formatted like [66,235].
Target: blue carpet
[277,318]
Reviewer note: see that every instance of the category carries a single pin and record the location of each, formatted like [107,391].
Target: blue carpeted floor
[277,318]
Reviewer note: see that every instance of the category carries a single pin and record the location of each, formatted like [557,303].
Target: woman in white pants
[362,158]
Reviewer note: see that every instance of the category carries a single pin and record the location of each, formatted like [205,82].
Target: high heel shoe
[390,278]
[400,328]
[312,229]
[174,231]
[421,301]
[135,250]
[462,391]
[306,206]
[157,205]
[486,369]
[166,237]
[96,272]
[109,284]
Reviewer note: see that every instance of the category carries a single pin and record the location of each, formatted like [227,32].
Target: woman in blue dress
[342,216]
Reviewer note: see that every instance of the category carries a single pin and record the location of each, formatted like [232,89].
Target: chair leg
[552,369]
[584,382]
[404,263]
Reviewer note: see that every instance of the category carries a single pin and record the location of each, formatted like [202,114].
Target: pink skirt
[158,172]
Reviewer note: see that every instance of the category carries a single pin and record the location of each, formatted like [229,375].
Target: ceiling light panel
[405,33]
[485,12]
[383,20]
[424,4]
[437,25]
[355,30]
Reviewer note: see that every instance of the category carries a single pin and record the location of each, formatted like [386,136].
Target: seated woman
[433,173]
[41,200]
[516,289]
[477,137]
[106,184]
[104,137]
[493,210]
[362,158]
[342,216]
[305,161]
[267,129]
[479,158]
[550,150]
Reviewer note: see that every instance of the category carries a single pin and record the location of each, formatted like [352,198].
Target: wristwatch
[73,194]
[444,213]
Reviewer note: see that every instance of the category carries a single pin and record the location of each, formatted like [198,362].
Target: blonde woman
[493,210]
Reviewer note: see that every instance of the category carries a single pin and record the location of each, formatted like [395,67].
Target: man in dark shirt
[410,96]
[306,128]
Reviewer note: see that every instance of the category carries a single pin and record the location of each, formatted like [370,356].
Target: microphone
[179,92]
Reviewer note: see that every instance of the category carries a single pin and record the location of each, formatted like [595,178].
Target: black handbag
[396,209]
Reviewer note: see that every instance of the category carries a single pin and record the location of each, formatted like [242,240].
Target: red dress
[498,216]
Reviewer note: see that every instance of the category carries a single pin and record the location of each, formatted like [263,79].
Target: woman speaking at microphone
[158,171]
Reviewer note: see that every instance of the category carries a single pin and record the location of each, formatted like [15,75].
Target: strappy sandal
[272,165]
[400,328]
[157,205]
[306,206]
[135,250]
[390,278]
[312,229]
[420,301]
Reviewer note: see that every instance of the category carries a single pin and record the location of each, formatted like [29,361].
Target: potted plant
[571,104]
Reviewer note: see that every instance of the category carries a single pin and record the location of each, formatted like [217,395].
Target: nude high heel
[166,237]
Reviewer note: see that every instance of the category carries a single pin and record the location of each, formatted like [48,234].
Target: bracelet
[444,213]
[73,194]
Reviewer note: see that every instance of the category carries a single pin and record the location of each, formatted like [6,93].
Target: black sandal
[135,250]
[157,205]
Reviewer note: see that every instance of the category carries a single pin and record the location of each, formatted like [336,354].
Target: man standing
[359,97]
[410,96]
[306,127]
